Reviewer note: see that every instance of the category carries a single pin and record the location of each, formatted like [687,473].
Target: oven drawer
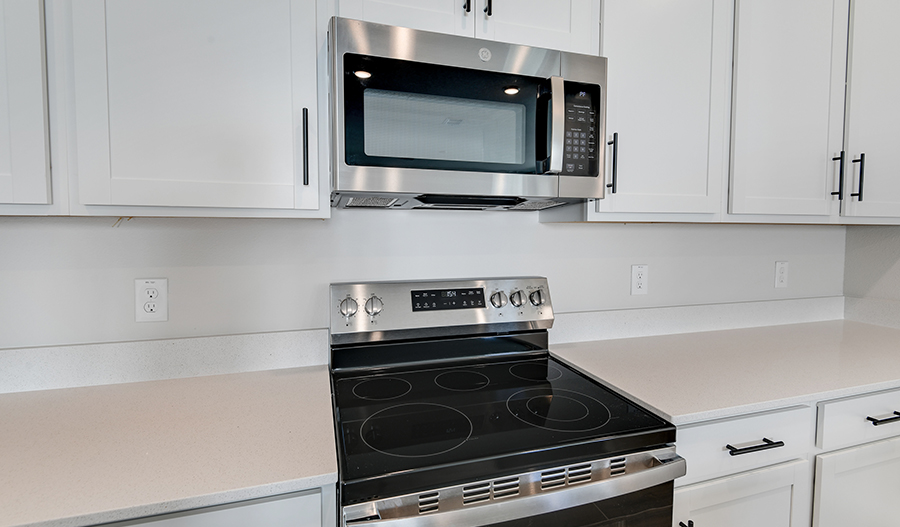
[728,446]
[854,420]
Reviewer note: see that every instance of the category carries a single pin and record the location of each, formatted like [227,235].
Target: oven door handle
[665,467]
[557,123]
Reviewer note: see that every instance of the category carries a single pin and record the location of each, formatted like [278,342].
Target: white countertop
[81,456]
[695,377]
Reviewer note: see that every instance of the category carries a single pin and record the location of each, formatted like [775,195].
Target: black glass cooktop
[440,426]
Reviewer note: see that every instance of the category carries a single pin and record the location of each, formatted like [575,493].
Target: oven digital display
[443,299]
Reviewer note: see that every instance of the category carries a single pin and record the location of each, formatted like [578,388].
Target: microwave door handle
[557,124]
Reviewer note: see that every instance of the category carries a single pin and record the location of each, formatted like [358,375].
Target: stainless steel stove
[451,411]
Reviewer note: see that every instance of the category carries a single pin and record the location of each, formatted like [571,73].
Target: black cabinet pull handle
[615,162]
[468,6]
[306,146]
[840,192]
[862,171]
[876,421]
[690,523]
[767,444]
[489,8]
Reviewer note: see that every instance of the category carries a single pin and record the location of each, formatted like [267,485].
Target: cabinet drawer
[705,446]
[846,422]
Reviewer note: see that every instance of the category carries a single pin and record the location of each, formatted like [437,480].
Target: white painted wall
[71,280]
[872,275]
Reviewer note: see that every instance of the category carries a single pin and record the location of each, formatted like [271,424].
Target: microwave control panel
[580,133]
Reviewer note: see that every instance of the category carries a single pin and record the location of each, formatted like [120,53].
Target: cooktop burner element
[416,430]
[558,409]
[462,380]
[382,389]
[530,371]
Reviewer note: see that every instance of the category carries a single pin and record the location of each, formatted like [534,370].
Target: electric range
[450,410]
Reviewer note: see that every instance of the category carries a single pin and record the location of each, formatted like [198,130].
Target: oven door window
[650,507]
[412,115]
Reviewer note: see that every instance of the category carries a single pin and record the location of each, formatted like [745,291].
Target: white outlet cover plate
[151,300]
[639,279]
[781,274]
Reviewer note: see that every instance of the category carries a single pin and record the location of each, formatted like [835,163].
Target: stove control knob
[498,299]
[537,297]
[348,307]
[517,298]
[374,306]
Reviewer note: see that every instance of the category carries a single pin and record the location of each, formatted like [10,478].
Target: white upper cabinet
[787,106]
[873,110]
[195,103]
[568,25]
[24,146]
[666,105]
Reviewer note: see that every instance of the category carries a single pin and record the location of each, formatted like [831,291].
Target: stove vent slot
[617,466]
[428,502]
[504,488]
[476,493]
[553,478]
[579,474]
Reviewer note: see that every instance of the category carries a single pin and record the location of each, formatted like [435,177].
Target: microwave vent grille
[371,202]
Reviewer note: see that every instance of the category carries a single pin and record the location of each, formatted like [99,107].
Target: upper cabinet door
[873,110]
[440,16]
[567,25]
[24,145]
[666,104]
[787,106]
[195,103]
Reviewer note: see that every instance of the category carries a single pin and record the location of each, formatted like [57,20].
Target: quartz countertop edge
[81,456]
[690,378]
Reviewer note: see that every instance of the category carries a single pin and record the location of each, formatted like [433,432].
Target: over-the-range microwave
[428,120]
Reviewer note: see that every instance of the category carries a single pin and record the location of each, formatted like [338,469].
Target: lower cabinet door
[776,496]
[858,486]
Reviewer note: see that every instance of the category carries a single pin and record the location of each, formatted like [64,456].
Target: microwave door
[405,114]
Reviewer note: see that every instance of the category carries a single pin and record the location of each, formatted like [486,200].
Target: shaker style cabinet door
[873,110]
[567,25]
[787,106]
[777,496]
[666,105]
[24,146]
[195,103]
[858,486]
[439,16]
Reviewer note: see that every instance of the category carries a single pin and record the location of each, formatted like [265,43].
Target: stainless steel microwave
[428,120]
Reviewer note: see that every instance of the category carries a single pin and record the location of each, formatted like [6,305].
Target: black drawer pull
[468,6]
[876,421]
[767,444]
[862,173]
[690,523]
[615,162]
[489,9]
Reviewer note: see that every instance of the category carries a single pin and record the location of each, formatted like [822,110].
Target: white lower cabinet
[775,496]
[858,486]
[303,509]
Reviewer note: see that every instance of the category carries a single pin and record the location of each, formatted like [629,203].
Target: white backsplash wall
[872,275]
[71,280]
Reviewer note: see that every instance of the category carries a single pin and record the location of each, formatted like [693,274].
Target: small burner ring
[561,418]
[534,371]
[462,380]
[573,410]
[382,388]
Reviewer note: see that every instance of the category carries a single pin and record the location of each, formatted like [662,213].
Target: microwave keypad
[580,138]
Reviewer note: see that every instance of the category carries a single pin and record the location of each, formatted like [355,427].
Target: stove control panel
[402,306]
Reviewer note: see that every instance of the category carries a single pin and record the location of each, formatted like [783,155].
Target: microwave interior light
[362,74]
[511,90]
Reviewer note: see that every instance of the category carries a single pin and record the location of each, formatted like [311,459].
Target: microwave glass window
[412,125]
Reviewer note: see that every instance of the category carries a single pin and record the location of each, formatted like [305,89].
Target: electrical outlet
[639,279]
[781,274]
[151,300]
